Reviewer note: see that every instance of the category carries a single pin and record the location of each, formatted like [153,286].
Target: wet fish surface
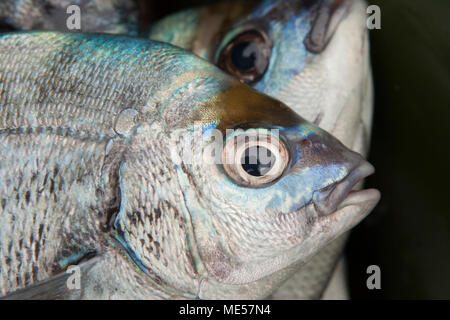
[105,16]
[312,55]
[93,130]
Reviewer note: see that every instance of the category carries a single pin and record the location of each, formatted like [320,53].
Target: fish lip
[340,194]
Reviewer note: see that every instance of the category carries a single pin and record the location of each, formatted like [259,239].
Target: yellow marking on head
[242,104]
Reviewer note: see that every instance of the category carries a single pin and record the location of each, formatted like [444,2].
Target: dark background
[408,234]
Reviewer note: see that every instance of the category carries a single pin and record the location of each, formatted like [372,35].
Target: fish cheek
[217,262]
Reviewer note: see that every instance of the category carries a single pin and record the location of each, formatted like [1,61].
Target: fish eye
[246,56]
[255,159]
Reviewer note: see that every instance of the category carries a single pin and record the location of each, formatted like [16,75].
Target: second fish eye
[246,56]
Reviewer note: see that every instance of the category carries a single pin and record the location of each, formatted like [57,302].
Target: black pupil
[257,161]
[244,55]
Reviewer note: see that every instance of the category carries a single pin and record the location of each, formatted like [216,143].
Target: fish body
[94,136]
[311,55]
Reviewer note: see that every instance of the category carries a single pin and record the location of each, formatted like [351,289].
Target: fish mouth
[339,195]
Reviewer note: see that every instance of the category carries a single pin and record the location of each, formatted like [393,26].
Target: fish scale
[166,243]
[110,117]
[79,86]
[107,16]
[39,189]
[62,160]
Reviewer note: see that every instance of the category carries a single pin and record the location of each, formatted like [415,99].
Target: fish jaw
[338,195]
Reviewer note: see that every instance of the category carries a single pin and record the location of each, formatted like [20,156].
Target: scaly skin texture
[106,16]
[93,130]
[331,87]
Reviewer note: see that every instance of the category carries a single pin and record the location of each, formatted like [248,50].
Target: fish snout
[329,199]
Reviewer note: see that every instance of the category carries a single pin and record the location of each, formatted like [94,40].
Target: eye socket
[255,159]
[246,56]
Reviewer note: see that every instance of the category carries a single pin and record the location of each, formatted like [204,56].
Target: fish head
[266,189]
[226,188]
[311,55]
[215,183]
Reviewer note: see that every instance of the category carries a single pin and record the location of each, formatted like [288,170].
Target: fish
[105,16]
[311,55]
[101,175]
